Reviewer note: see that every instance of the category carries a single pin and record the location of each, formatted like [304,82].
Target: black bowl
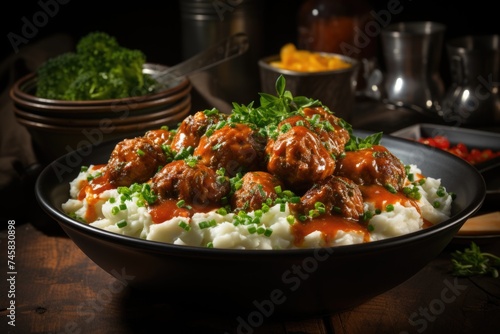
[264,283]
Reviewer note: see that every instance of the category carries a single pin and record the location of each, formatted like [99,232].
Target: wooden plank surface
[59,290]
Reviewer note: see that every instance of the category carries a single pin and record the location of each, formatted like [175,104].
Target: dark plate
[470,137]
[259,283]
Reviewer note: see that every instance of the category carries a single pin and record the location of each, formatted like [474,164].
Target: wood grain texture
[60,290]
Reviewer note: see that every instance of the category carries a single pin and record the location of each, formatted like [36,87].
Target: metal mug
[473,98]
[205,23]
[412,54]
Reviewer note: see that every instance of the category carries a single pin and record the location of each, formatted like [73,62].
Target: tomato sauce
[166,209]
[381,197]
[92,190]
[328,225]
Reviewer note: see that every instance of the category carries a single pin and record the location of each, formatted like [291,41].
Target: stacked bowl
[58,127]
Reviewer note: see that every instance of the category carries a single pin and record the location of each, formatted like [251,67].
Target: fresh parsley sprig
[472,261]
[273,108]
[357,143]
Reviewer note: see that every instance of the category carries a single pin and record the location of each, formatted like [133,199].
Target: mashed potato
[274,231]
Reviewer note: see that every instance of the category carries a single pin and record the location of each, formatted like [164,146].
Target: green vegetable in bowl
[99,69]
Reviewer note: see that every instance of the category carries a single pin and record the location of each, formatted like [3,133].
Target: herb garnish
[272,109]
[356,143]
[472,261]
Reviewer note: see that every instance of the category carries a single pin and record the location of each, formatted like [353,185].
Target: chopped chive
[185,226]
[265,208]
[320,207]
[122,223]
[390,188]
[313,213]
[441,192]
[282,207]
[367,215]
[222,211]
[207,224]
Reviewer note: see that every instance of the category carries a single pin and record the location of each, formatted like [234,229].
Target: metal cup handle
[457,67]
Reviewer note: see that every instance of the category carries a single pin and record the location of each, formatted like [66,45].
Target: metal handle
[224,50]
[457,69]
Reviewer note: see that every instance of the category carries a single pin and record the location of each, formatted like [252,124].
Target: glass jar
[339,26]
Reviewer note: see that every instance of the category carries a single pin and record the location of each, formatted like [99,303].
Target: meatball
[299,158]
[375,165]
[339,196]
[192,128]
[159,137]
[235,147]
[332,134]
[296,120]
[195,183]
[134,160]
[256,188]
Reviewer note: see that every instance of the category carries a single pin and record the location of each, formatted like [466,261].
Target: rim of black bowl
[44,188]
[265,63]
[28,82]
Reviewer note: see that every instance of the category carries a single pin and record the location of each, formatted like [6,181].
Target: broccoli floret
[57,74]
[97,44]
[100,69]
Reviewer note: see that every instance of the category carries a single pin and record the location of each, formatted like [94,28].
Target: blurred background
[155,26]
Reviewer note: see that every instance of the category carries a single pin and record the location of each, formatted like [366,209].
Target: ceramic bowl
[52,141]
[24,90]
[259,284]
[58,127]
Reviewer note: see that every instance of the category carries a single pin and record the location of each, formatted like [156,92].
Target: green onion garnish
[122,223]
[185,226]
